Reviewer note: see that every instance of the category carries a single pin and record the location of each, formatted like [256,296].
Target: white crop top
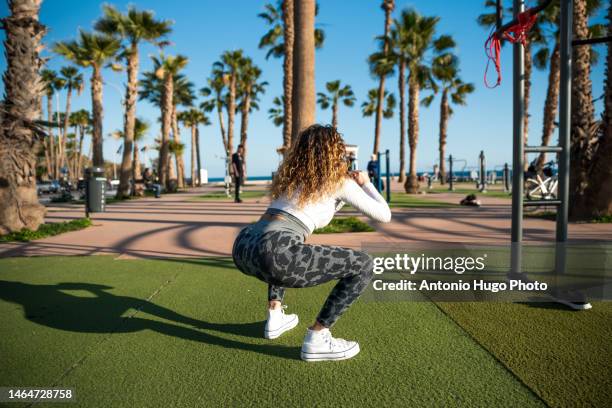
[319,213]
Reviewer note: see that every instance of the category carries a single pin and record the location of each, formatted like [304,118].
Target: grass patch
[220,196]
[603,219]
[544,215]
[122,333]
[47,230]
[466,191]
[344,224]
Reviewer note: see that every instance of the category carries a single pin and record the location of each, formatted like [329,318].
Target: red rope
[515,33]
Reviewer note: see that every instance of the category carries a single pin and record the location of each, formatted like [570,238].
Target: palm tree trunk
[244,123]
[335,114]
[387,6]
[231,115]
[164,151]
[444,114]
[304,101]
[598,195]
[193,156]
[135,166]
[80,152]
[412,184]
[64,157]
[97,113]
[198,155]
[222,126]
[19,135]
[527,98]
[401,84]
[288,36]
[51,136]
[550,104]
[180,162]
[129,121]
[582,119]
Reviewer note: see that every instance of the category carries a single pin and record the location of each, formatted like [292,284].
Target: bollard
[506,178]
[388,176]
[451,187]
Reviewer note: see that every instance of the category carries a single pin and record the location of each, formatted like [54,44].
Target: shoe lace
[334,342]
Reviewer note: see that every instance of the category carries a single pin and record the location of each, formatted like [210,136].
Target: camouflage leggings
[275,252]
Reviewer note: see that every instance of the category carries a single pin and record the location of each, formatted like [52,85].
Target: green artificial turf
[127,333]
[344,224]
[469,188]
[220,196]
[564,356]
[46,230]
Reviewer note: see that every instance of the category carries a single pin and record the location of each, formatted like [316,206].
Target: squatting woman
[312,183]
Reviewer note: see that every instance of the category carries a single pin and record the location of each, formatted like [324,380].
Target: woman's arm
[365,198]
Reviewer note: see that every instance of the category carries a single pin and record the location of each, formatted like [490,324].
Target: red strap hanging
[515,33]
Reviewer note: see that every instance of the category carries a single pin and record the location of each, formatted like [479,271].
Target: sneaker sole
[342,355]
[274,334]
[574,306]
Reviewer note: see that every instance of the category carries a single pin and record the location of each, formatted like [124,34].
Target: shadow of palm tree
[98,311]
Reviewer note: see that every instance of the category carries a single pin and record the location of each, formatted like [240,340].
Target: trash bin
[95,188]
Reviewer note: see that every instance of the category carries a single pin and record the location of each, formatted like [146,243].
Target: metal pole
[564,132]
[450,173]
[378,175]
[518,111]
[388,176]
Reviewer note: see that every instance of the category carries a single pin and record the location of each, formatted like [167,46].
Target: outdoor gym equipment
[379,186]
[451,176]
[515,31]
[482,182]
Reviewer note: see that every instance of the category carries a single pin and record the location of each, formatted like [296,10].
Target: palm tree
[598,195]
[336,94]
[51,85]
[548,56]
[158,86]
[280,41]
[183,95]
[370,107]
[71,79]
[276,113]
[228,67]
[93,51]
[382,71]
[82,121]
[446,70]
[303,94]
[249,89]
[215,90]
[583,125]
[192,118]
[414,42]
[19,134]
[141,128]
[133,27]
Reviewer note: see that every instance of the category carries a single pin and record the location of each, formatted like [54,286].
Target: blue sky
[204,29]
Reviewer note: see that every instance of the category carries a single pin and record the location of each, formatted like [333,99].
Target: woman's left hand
[360,177]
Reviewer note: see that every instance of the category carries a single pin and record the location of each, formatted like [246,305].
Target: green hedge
[47,230]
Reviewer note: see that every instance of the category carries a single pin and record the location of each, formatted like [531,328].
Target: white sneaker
[321,346]
[278,322]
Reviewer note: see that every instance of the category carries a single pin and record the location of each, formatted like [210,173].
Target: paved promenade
[179,226]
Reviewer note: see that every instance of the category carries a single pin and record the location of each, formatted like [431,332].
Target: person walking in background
[312,183]
[239,171]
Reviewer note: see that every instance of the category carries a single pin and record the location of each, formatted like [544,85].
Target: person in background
[239,171]
[374,171]
[149,181]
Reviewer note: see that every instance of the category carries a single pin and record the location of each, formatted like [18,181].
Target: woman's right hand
[360,177]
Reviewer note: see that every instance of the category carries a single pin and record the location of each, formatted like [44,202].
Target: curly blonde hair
[313,167]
